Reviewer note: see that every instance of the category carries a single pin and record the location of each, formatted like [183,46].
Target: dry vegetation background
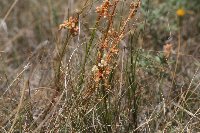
[51,80]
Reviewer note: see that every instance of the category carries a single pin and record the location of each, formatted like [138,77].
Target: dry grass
[110,67]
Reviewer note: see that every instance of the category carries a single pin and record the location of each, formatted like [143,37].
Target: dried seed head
[95,68]
[167,49]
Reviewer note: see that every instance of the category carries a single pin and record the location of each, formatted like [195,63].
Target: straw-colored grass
[99,66]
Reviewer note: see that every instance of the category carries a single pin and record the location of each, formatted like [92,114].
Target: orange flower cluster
[134,7]
[103,10]
[71,24]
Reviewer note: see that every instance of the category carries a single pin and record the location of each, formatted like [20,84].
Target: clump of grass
[97,73]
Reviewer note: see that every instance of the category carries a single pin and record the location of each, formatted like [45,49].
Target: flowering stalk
[108,47]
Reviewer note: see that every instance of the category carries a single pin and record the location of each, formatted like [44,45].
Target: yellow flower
[180,12]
